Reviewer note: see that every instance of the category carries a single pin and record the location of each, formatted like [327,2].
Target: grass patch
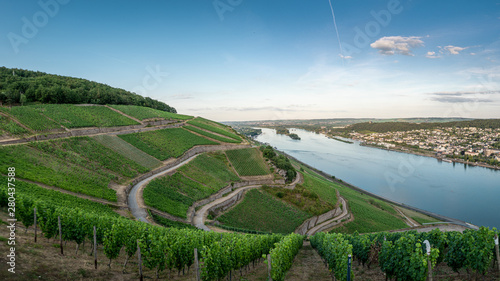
[175,194]
[248,162]
[124,148]
[214,127]
[418,217]
[143,113]
[262,212]
[325,189]
[211,169]
[166,143]
[367,217]
[301,198]
[210,135]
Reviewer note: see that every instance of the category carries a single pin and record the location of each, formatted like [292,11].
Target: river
[455,190]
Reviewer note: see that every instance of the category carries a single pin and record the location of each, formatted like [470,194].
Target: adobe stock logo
[151,81]
[223,6]
[40,19]
[382,18]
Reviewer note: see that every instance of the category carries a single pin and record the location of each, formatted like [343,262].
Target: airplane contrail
[337,31]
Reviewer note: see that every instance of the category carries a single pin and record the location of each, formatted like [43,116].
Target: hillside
[103,165]
[384,127]
[19,86]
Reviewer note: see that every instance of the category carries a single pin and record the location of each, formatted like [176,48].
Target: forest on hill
[18,86]
[406,126]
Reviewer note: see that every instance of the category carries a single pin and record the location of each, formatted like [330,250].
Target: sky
[236,60]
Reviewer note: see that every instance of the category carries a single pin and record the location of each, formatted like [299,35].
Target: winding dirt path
[409,221]
[135,199]
[201,215]
[331,222]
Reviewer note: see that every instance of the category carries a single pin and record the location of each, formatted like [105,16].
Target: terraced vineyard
[72,116]
[9,127]
[143,113]
[211,169]
[76,164]
[124,148]
[31,118]
[210,135]
[261,211]
[35,194]
[165,143]
[175,194]
[248,162]
[214,127]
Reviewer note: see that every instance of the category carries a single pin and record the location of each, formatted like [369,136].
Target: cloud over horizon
[391,45]
[432,55]
[453,50]
[462,96]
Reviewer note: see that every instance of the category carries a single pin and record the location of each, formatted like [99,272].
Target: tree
[22,99]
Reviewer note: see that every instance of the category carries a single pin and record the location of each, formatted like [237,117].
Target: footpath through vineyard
[308,266]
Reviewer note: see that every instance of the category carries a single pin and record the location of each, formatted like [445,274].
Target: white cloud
[454,50]
[391,45]
[345,57]
[432,55]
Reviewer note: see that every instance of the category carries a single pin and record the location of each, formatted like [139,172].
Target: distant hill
[406,126]
[19,86]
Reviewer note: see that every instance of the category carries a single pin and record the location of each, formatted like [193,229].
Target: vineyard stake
[429,264]
[60,234]
[139,258]
[349,267]
[95,249]
[196,265]
[34,212]
[497,251]
[269,267]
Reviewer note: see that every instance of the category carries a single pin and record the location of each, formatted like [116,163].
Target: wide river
[468,193]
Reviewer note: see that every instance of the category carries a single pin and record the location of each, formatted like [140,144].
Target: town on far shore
[471,145]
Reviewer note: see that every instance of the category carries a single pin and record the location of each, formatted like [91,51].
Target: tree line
[19,86]
[384,127]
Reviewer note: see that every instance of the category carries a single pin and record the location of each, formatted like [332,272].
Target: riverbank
[433,155]
[358,189]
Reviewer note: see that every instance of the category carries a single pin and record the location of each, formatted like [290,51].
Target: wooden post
[140,261]
[60,234]
[429,264]
[95,249]
[196,265]
[34,211]
[429,268]
[349,268]
[269,267]
[497,251]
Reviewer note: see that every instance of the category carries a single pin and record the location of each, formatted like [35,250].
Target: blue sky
[252,59]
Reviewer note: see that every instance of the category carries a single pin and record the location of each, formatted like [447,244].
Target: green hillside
[165,143]
[248,162]
[143,113]
[200,178]
[261,211]
[19,86]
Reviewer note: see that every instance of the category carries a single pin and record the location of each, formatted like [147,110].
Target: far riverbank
[433,155]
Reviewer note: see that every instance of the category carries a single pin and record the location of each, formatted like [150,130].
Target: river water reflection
[468,193]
